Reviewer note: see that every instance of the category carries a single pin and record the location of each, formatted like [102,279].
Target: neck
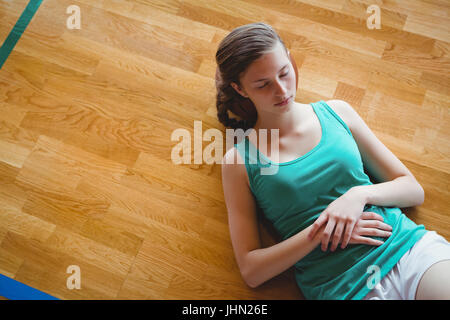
[286,122]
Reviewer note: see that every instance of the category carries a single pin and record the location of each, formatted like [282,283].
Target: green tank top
[301,189]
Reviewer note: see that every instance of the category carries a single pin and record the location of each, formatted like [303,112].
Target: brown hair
[234,55]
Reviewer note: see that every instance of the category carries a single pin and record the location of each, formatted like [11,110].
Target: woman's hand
[340,218]
[370,224]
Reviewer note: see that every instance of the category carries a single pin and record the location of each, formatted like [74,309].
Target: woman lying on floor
[338,229]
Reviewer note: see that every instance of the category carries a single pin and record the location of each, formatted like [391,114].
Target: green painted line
[18,30]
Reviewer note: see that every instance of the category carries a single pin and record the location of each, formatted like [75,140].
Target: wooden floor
[86,116]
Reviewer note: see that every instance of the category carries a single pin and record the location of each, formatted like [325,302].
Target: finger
[368,241]
[348,233]
[337,235]
[375,232]
[316,226]
[371,216]
[347,237]
[376,224]
[327,234]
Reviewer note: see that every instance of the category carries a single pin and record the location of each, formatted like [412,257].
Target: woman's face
[268,81]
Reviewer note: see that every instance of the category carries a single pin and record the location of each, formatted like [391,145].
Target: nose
[280,89]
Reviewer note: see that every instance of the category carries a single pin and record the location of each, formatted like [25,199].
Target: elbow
[421,195]
[418,194]
[252,283]
[250,279]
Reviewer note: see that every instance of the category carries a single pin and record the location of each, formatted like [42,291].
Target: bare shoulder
[233,165]
[344,110]
[380,162]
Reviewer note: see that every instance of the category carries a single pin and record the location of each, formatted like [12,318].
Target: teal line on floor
[19,28]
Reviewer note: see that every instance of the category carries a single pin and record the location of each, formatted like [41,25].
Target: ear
[239,90]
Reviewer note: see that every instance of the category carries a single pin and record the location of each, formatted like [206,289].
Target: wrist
[361,193]
[318,236]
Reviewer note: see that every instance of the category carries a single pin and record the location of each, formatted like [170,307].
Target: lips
[282,103]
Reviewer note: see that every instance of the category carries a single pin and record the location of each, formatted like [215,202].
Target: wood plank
[419,23]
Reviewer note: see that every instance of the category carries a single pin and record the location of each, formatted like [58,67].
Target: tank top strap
[329,116]
[250,154]
[329,122]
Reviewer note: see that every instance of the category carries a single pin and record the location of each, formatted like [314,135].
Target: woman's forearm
[401,192]
[266,263]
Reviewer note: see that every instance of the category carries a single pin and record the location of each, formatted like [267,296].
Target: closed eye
[283,75]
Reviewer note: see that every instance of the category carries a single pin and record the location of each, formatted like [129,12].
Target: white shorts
[401,282]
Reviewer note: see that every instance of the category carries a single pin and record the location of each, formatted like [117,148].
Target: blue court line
[10,288]
[18,30]
[14,290]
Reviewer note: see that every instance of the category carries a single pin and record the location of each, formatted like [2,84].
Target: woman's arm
[256,264]
[401,192]
[398,187]
[342,214]
[271,261]
[266,263]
